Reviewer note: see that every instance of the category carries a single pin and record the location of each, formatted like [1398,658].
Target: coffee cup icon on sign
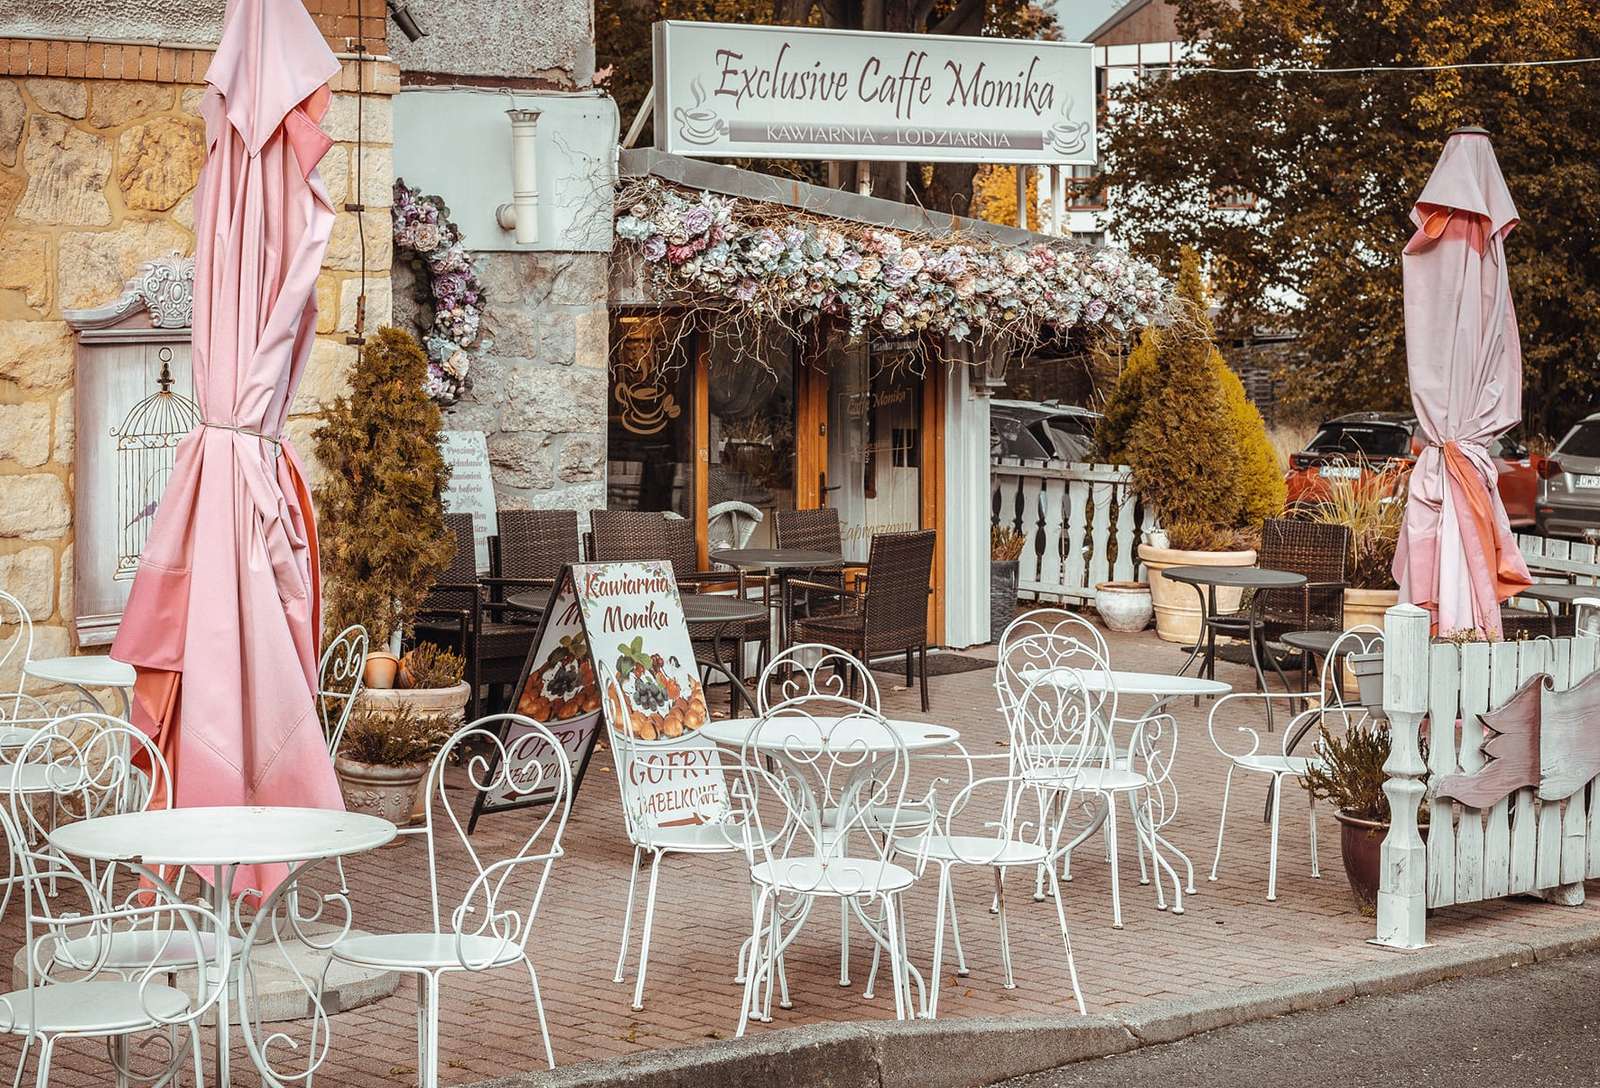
[699,123]
[1067,137]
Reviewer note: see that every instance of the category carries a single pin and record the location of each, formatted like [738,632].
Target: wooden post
[1403,878]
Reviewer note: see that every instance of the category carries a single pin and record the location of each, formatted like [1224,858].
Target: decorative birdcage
[147,446]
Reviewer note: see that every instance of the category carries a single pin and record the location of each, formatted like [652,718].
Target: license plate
[1588,481]
[1340,472]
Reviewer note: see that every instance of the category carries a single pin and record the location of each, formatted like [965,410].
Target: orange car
[1362,443]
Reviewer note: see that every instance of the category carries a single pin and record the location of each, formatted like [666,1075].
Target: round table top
[1155,684]
[1321,642]
[776,558]
[851,733]
[1559,592]
[717,608]
[89,671]
[223,836]
[1236,577]
[529,602]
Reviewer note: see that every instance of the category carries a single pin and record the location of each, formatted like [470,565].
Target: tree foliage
[1127,397]
[1336,160]
[1262,490]
[380,509]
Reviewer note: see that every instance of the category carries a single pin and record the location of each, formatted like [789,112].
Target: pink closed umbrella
[1456,556]
[222,620]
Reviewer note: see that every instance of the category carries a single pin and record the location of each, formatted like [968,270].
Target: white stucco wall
[193,22]
[548,40]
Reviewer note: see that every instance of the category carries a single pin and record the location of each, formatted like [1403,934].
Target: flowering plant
[883,281]
[448,282]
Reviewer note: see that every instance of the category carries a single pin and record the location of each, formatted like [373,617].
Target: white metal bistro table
[85,672]
[1161,688]
[223,840]
[870,737]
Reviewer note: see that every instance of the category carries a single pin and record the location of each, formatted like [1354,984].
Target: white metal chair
[1256,758]
[339,682]
[688,766]
[106,968]
[974,830]
[489,926]
[818,674]
[803,804]
[16,649]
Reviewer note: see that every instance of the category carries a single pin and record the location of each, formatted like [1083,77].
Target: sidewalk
[1229,941]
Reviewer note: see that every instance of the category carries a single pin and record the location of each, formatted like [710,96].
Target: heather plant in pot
[1348,774]
[384,758]
[1199,454]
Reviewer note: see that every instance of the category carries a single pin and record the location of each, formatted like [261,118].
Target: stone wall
[96,176]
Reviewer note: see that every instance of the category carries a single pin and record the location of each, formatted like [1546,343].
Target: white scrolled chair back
[16,649]
[1047,639]
[339,682]
[812,671]
[830,780]
[503,897]
[1153,752]
[1059,728]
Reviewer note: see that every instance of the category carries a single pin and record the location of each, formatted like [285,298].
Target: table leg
[1199,638]
[222,904]
[1211,632]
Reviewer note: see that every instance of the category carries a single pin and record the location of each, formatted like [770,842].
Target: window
[650,417]
[1362,440]
[1582,441]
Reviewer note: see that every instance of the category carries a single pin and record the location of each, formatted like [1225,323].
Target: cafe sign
[726,91]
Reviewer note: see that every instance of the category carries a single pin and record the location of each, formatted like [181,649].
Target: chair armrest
[825,587]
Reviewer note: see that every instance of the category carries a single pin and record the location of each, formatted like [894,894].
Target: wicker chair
[528,553]
[1321,553]
[454,615]
[889,613]
[814,531]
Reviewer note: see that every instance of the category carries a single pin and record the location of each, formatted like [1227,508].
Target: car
[1361,443]
[1569,489]
[1041,430]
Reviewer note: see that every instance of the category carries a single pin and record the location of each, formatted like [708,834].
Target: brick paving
[1229,937]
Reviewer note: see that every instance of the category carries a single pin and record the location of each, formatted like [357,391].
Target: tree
[1184,448]
[1334,162]
[1127,398]
[1262,490]
[380,509]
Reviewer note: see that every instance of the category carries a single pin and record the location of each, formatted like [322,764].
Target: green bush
[1122,407]
[1184,447]
[1262,490]
[380,510]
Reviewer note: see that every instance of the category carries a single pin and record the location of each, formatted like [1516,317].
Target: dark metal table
[532,601]
[778,564]
[1558,596]
[1206,581]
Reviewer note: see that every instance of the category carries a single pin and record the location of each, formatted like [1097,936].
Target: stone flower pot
[1002,595]
[1124,606]
[1177,605]
[387,792]
[451,702]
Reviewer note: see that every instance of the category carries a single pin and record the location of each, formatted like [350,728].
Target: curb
[983,1051]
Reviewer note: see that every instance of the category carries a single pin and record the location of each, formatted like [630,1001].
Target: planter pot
[1002,595]
[1124,606]
[380,671]
[387,792]
[1177,605]
[1365,607]
[1368,671]
[1361,844]
[426,702]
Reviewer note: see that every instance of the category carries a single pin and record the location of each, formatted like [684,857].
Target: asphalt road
[1536,1026]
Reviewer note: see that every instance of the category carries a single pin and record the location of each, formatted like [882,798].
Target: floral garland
[803,266]
[448,281]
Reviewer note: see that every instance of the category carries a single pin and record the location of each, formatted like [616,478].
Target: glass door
[874,444]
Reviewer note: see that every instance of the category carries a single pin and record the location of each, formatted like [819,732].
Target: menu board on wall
[613,646]
[470,489]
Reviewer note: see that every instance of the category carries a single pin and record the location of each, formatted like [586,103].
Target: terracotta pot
[426,702]
[1124,606]
[380,670]
[1177,605]
[387,792]
[1361,844]
[1365,607]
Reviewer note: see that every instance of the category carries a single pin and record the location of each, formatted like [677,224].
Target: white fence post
[1403,879]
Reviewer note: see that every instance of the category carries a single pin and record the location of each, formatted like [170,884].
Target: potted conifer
[383,536]
[1199,454]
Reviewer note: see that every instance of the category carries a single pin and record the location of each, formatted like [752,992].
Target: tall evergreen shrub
[380,510]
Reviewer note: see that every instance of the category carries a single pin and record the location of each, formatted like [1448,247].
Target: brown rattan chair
[1321,553]
[887,614]
[814,531]
[529,553]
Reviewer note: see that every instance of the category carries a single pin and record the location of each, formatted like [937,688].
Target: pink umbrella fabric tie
[222,623]
[1456,556]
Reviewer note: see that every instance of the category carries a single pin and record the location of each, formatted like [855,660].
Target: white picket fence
[1081,523]
[1519,845]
